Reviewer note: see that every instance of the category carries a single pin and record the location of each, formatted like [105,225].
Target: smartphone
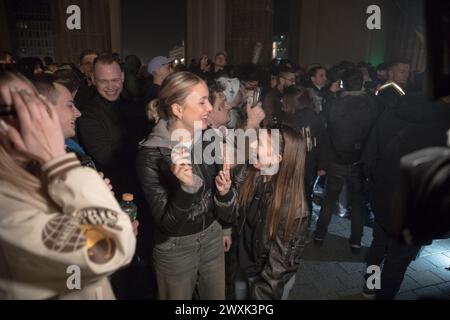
[256,96]
[341,84]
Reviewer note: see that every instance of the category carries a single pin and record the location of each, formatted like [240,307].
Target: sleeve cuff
[60,166]
[227,232]
[184,196]
[226,200]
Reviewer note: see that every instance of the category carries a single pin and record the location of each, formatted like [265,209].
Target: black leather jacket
[178,211]
[277,260]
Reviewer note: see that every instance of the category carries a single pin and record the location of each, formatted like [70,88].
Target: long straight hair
[287,185]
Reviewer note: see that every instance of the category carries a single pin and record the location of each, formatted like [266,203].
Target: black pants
[396,257]
[337,176]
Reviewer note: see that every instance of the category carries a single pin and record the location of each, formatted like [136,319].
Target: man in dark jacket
[298,113]
[410,125]
[102,127]
[350,120]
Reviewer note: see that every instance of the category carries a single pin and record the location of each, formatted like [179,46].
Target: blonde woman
[61,230]
[186,199]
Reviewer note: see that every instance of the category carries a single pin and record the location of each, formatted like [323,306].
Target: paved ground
[333,272]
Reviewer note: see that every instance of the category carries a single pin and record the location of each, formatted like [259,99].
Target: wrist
[56,154]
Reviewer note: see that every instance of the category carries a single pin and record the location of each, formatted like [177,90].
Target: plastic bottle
[128,206]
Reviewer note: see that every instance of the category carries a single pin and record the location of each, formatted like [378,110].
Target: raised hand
[255,115]
[223,179]
[181,166]
[40,134]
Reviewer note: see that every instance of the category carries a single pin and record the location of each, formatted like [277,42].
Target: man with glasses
[272,103]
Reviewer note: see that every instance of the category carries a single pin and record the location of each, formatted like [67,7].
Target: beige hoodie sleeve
[85,228]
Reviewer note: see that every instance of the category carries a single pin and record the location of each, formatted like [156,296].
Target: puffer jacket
[177,210]
[275,261]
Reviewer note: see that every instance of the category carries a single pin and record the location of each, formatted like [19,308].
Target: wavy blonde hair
[175,89]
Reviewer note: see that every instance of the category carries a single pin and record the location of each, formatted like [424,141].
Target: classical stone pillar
[96,30]
[249,22]
[205,28]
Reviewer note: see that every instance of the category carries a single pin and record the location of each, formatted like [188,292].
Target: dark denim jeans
[337,176]
[396,258]
[194,263]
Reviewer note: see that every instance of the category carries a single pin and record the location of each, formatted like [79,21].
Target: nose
[209,107]
[76,112]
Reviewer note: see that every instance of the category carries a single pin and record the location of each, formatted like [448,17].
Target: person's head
[399,71]
[69,79]
[132,64]
[6,57]
[296,99]
[30,67]
[60,97]
[286,78]
[87,58]
[287,184]
[160,68]
[183,100]
[318,76]
[220,60]
[382,72]
[273,77]
[353,80]
[108,77]
[220,114]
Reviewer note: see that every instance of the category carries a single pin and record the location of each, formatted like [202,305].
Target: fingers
[12,135]
[226,166]
[32,104]
[5,93]
[22,111]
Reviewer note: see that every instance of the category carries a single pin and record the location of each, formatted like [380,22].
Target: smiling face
[108,79]
[196,108]
[66,110]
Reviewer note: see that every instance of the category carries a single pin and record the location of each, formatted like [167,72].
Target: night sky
[152,28]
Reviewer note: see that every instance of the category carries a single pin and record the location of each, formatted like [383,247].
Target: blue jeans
[194,263]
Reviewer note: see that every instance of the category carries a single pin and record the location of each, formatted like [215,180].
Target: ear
[93,79]
[177,110]
[122,76]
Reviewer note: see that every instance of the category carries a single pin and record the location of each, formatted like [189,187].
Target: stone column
[249,22]
[205,28]
[95,30]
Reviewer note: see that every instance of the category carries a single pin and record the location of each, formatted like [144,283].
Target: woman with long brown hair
[273,216]
[61,230]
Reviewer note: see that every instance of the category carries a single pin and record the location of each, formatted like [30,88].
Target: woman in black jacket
[273,217]
[186,198]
